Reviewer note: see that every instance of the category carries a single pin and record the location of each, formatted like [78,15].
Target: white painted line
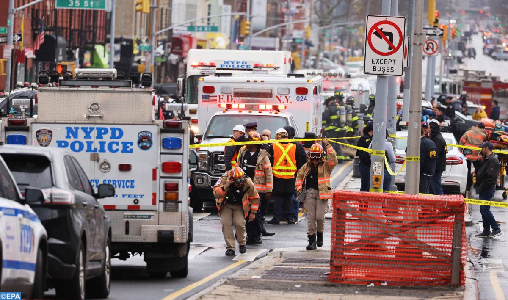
[251,254]
[497,287]
[197,250]
[199,216]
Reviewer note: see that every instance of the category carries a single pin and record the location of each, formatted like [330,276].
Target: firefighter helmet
[350,100]
[316,151]
[254,136]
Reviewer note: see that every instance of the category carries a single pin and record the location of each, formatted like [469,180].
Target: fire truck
[480,88]
[110,128]
[272,102]
[205,62]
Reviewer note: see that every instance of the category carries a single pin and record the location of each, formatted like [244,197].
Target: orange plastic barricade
[398,239]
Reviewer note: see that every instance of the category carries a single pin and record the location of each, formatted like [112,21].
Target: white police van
[22,241]
[110,127]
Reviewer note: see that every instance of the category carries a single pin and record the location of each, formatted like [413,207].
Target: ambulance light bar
[241,106]
[95,73]
[203,65]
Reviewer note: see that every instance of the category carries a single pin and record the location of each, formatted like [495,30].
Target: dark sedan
[78,228]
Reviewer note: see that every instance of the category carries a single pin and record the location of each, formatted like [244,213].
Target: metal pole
[392,101]
[433,76]
[10,44]
[440,66]
[379,139]
[415,105]
[428,79]
[112,35]
[152,58]
[407,74]
[248,16]
[302,59]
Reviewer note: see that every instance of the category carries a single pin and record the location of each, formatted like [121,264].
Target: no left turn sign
[384,45]
[430,47]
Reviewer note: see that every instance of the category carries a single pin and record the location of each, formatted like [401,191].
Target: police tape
[390,171]
[467,200]
[268,142]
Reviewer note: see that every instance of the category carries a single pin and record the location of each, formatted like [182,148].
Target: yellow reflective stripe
[355,118]
[412,158]
[284,173]
[334,117]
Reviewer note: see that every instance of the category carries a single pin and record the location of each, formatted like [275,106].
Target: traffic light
[436,18]
[445,34]
[143,6]
[431,12]
[244,27]
[308,31]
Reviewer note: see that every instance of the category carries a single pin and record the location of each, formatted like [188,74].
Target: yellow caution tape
[354,147]
[268,142]
[412,158]
[390,170]
[467,200]
[378,152]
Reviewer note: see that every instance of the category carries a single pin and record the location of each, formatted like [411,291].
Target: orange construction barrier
[397,239]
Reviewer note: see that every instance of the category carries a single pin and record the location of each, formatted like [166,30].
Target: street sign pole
[415,105]
[112,35]
[392,101]
[407,75]
[152,58]
[440,66]
[428,78]
[10,33]
[433,76]
[380,110]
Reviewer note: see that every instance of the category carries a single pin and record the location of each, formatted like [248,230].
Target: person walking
[474,137]
[496,111]
[236,199]
[486,180]
[435,135]
[364,156]
[428,156]
[255,162]
[313,179]
[284,159]
[300,151]
[231,152]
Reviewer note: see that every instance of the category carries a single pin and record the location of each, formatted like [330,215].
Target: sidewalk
[295,273]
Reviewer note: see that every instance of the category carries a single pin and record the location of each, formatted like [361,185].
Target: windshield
[30,170]
[192,89]
[222,126]
[334,85]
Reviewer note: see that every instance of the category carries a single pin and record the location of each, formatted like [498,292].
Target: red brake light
[209,89]
[171,167]
[194,121]
[124,167]
[399,160]
[16,122]
[302,91]
[170,187]
[172,124]
[454,161]
[153,100]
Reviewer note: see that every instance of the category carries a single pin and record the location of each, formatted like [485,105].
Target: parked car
[454,178]
[23,239]
[78,228]
[500,55]
[461,125]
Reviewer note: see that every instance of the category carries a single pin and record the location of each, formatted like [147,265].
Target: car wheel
[39,278]
[76,287]
[100,287]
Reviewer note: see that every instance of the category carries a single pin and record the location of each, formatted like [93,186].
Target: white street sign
[433,31]
[384,45]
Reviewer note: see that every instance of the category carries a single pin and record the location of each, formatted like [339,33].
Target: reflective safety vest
[235,155]
[474,137]
[284,160]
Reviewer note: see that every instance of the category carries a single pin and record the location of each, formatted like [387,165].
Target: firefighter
[353,121]
[236,199]
[231,152]
[314,179]
[329,122]
[285,161]
[340,131]
[255,162]
[474,137]
[372,104]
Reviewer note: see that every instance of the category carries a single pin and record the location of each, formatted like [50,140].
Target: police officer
[428,158]
[231,152]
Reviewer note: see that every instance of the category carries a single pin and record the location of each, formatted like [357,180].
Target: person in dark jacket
[300,151]
[364,166]
[437,138]
[428,156]
[486,180]
[231,152]
[496,111]
[449,111]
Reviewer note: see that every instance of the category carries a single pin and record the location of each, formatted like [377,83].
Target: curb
[471,285]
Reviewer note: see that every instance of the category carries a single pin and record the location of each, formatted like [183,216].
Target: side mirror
[33,196]
[104,191]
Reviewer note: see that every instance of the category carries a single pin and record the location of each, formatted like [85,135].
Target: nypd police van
[23,240]
[110,127]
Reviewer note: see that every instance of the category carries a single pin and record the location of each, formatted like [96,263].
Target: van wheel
[40,277]
[76,287]
[100,287]
[182,273]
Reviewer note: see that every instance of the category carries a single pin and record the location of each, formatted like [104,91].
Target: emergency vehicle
[272,102]
[23,240]
[110,128]
[205,62]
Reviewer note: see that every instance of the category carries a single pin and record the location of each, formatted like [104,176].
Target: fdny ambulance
[273,102]
[110,128]
[205,62]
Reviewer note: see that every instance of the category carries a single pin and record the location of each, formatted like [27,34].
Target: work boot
[312,242]
[230,252]
[250,241]
[257,241]
[243,249]
[320,239]
[266,233]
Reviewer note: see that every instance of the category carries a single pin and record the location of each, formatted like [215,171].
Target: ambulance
[110,128]
[273,102]
[205,62]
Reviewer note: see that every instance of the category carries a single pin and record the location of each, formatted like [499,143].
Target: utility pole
[407,74]
[392,100]
[10,44]
[379,138]
[154,23]
[112,34]
[415,105]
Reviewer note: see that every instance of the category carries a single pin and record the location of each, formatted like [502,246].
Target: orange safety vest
[235,155]
[472,138]
[284,160]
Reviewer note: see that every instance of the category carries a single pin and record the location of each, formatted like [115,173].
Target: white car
[23,240]
[454,178]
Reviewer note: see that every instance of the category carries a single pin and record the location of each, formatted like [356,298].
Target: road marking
[340,171]
[250,255]
[497,287]
[203,281]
